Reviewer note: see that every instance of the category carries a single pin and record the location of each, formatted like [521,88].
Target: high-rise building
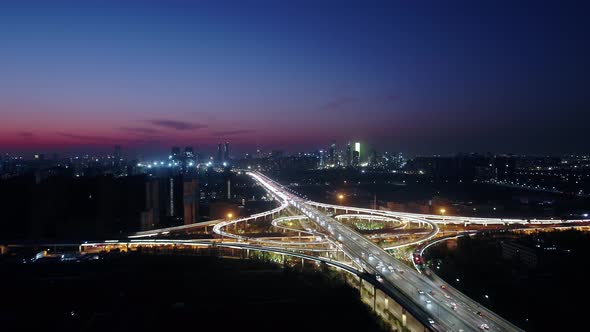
[332,154]
[348,155]
[373,157]
[150,218]
[190,200]
[189,152]
[173,192]
[322,158]
[188,160]
[226,152]
[219,158]
[355,158]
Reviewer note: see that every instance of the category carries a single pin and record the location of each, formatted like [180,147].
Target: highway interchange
[447,309]
[430,300]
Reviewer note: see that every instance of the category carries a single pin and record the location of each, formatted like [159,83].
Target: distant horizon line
[28,155]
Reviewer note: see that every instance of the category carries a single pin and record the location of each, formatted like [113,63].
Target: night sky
[419,77]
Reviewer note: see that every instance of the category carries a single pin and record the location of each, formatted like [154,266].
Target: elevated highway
[432,301]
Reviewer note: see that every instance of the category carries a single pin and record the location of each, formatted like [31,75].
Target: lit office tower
[356,154]
[219,159]
[226,152]
[332,154]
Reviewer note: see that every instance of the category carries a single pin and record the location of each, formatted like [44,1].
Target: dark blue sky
[411,76]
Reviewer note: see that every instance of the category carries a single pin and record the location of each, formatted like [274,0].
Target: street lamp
[230,215]
[443,210]
[340,196]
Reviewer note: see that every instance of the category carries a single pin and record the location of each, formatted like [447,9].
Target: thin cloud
[85,137]
[176,125]
[140,130]
[233,132]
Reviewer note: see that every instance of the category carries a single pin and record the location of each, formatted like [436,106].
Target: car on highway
[428,301]
[484,327]
[379,278]
[480,314]
[443,286]
[421,292]
[447,295]
[431,321]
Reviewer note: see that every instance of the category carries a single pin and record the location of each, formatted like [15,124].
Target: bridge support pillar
[361,287]
[374,299]
[404,317]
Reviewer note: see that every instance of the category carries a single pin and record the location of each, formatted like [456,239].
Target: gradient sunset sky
[414,76]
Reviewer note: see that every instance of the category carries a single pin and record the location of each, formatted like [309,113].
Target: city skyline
[419,78]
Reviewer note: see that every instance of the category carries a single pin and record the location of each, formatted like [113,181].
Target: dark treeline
[62,207]
[140,292]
